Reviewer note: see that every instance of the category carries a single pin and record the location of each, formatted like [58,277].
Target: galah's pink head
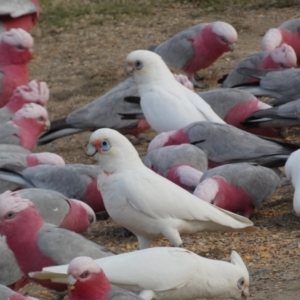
[285,56]
[44,158]
[90,213]
[34,112]
[34,92]
[159,141]
[226,33]
[11,206]
[15,47]
[86,280]
[271,40]
[182,79]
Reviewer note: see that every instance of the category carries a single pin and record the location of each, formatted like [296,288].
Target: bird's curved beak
[71,282]
[231,46]
[47,125]
[245,293]
[129,67]
[90,150]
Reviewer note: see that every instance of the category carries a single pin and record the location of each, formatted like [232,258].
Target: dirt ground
[81,61]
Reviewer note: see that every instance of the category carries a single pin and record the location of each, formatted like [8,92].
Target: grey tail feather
[254,72]
[255,83]
[132,116]
[132,99]
[281,100]
[151,48]
[13,173]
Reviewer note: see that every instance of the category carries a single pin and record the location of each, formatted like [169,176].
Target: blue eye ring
[139,65]
[105,145]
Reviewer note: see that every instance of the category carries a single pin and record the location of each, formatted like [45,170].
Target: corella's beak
[231,46]
[90,150]
[129,67]
[246,293]
[71,283]
[47,125]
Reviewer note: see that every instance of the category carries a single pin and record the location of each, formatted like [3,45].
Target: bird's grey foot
[198,78]
[125,233]
[198,85]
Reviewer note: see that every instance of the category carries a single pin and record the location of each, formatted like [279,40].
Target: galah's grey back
[52,206]
[102,112]
[291,25]
[252,61]
[70,180]
[178,51]
[9,134]
[63,245]
[223,99]
[280,83]
[117,293]
[10,271]
[285,115]
[257,181]
[162,159]
[226,144]
[7,148]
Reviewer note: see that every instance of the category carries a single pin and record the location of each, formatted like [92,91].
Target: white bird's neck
[296,201]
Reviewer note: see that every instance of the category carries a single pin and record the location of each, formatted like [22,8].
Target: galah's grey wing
[178,51]
[257,181]
[286,115]
[223,99]
[252,62]
[103,112]
[12,158]
[52,206]
[63,245]
[17,8]
[10,271]
[9,134]
[291,25]
[117,293]
[13,149]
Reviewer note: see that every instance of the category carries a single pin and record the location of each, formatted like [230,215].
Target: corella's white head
[285,56]
[271,40]
[11,203]
[35,112]
[147,67]
[226,33]
[113,150]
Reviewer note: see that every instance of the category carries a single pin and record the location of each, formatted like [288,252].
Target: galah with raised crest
[34,92]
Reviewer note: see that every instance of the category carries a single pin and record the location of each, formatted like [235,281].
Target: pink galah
[38,244]
[280,58]
[287,33]
[70,214]
[18,14]
[25,127]
[238,188]
[87,281]
[34,92]
[15,53]
[197,47]
[225,144]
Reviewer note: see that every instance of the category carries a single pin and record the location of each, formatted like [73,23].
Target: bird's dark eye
[85,274]
[41,118]
[20,47]
[223,40]
[9,215]
[138,65]
[240,283]
[105,145]
[91,219]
